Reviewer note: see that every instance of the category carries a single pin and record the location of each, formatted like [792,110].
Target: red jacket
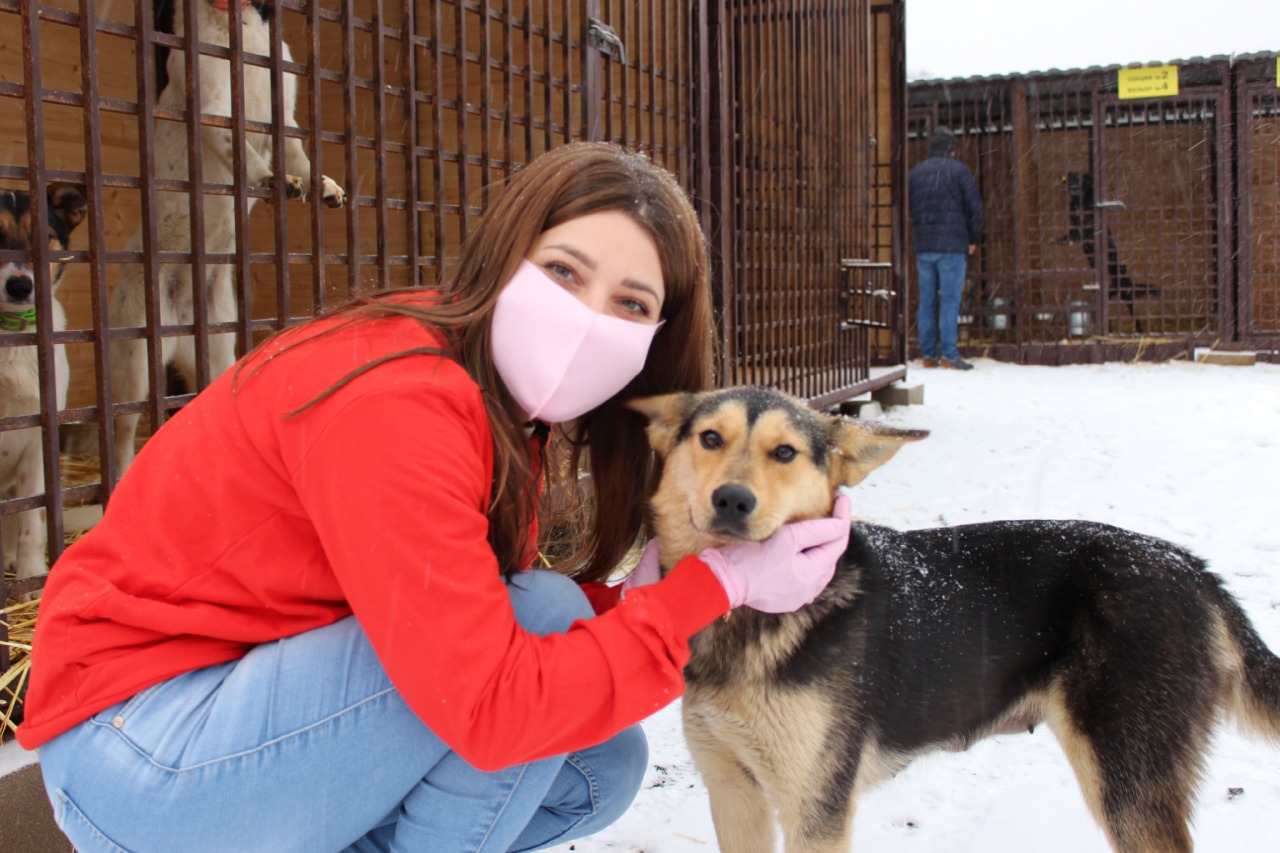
[237,525]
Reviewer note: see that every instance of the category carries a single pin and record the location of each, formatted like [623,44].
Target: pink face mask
[558,358]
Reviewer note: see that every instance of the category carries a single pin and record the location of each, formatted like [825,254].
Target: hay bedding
[19,617]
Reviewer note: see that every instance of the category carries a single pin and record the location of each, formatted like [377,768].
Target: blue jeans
[941,279]
[304,745]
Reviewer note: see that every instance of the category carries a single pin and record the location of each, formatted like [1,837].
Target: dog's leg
[32,539]
[742,817]
[298,163]
[332,194]
[295,156]
[815,824]
[9,536]
[181,352]
[128,358]
[220,145]
[222,309]
[815,800]
[1137,776]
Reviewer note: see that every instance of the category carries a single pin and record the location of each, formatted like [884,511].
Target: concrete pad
[900,394]
[865,409]
[1240,359]
[26,818]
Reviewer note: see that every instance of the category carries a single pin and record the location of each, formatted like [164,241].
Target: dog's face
[740,462]
[67,206]
[1078,183]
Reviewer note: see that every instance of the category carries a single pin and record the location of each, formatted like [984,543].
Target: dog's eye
[784,453]
[711,440]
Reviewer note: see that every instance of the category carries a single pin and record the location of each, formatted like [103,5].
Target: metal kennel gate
[814,188]
[1111,223]
[1258,178]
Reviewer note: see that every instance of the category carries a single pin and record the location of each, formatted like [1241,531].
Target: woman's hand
[788,570]
[647,571]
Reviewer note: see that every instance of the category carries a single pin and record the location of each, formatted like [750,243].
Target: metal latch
[603,38]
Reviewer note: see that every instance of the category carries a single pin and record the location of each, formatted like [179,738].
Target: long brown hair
[608,445]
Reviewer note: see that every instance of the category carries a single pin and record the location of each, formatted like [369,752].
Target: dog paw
[294,188]
[334,195]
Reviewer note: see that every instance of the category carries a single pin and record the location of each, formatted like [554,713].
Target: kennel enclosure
[1116,226]
[781,119]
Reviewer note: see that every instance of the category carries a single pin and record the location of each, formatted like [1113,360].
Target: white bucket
[1079,319]
[997,322]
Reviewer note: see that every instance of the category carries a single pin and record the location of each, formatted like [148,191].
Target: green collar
[17,321]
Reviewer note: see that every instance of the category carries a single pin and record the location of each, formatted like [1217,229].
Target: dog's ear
[666,413]
[861,446]
[68,202]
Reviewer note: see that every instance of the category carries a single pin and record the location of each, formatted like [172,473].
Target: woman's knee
[547,602]
[617,769]
[630,761]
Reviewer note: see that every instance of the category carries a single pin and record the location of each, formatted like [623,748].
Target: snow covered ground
[1182,451]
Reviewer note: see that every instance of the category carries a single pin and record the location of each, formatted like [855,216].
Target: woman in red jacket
[306,621]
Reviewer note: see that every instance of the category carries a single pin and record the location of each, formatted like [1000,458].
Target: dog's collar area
[18,320]
[225,5]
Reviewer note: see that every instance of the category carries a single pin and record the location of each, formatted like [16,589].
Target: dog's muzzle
[732,505]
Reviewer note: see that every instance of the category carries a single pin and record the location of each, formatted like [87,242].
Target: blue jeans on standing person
[303,745]
[941,279]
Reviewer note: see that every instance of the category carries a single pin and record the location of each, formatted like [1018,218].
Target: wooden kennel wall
[1257,138]
[1112,223]
[780,117]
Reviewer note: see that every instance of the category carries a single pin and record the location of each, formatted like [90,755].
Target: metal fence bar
[41,257]
[350,129]
[315,151]
[89,81]
[149,222]
[462,117]
[242,269]
[195,181]
[381,209]
[412,131]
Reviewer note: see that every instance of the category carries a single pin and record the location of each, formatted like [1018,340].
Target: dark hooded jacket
[945,203]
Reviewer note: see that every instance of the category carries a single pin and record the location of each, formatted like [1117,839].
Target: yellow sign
[1155,81]
[1278,70]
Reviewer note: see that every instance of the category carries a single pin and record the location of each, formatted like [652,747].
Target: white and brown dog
[129,374]
[21,454]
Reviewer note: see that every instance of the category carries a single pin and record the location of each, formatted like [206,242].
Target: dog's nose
[18,287]
[733,502]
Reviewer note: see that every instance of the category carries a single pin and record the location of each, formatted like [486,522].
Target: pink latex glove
[647,571]
[788,570]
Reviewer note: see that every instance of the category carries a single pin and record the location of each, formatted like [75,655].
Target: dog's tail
[1254,692]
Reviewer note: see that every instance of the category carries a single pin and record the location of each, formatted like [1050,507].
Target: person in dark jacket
[946,227]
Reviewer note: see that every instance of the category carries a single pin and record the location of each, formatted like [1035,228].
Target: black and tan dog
[1125,645]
